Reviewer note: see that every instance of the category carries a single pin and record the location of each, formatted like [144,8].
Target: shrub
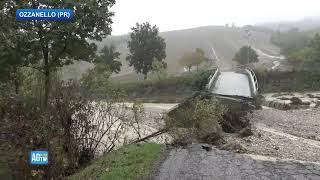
[196,119]
[72,129]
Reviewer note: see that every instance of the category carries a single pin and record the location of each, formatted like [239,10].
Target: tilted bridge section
[241,83]
[237,90]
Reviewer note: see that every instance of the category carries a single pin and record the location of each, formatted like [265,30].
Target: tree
[159,67]
[145,46]
[108,58]
[246,55]
[200,56]
[307,57]
[12,57]
[194,58]
[53,44]
[315,44]
[301,58]
[291,40]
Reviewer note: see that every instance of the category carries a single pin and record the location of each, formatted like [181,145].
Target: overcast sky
[181,14]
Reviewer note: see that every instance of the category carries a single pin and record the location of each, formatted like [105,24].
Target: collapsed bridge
[241,83]
[237,90]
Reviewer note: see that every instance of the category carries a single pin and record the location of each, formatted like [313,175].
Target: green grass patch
[289,81]
[187,83]
[129,162]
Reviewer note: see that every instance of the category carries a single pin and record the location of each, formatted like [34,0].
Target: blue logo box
[39,157]
[44,14]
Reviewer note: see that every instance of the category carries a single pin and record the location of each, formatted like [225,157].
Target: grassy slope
[167,89]
[130,162]
[305,24]
[226,41]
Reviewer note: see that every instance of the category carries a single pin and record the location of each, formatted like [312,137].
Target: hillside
[306,24]
[224,40]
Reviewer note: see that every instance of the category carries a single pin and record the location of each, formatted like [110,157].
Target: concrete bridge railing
[253,80]
[212,79]
[241,82]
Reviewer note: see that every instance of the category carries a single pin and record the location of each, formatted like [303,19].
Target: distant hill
[224,40]
[306,24]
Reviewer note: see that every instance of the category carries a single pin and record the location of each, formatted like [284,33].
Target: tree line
[301,49]
[45,46]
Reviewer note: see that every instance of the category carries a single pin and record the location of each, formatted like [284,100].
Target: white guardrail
[212,78]
[253,79]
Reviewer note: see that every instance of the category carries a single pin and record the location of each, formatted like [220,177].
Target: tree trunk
[16,86]
[45,52]
[189,67]
[46,74]
[145,76]
[47,87]
[15,80]
[150,136]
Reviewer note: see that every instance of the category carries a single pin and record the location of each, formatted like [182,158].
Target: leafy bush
[197,118]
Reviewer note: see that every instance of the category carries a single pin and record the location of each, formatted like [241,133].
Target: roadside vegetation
[288,81]
[178,87]
[302,52]
[130,162]
[77,120]
[190,121]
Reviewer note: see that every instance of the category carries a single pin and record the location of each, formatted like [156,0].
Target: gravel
[283,134]
[301,123]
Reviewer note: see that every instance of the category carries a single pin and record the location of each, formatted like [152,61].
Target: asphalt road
[282,147]
[231,83]
[195,163]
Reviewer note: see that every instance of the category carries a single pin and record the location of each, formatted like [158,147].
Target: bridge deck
[232,83]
